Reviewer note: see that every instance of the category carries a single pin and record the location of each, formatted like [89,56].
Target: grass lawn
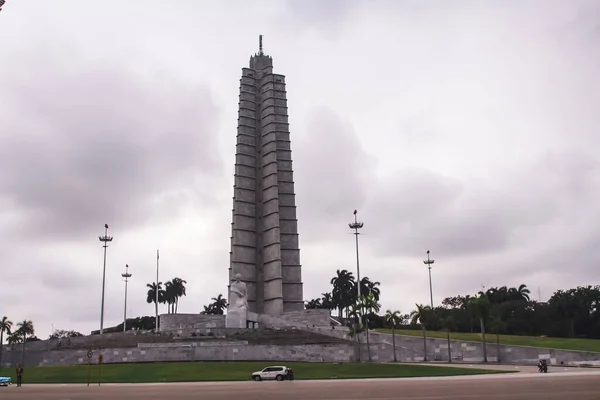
[227,371]
[533,341]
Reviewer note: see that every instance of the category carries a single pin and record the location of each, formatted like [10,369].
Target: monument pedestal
[235,320]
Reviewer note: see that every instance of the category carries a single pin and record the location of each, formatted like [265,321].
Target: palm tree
[422,315]
[14,338]
[25,328]
[393,318]
[5,327]
[178,290]
[481,306]
[219,304]
[448,324]
[327,301]
[524,292]
[343,290]
[207,310]
[356,328]
[354,333]
[169,297]
[367,287]
[313,304]
[367,304]
[496,326]
[151,296]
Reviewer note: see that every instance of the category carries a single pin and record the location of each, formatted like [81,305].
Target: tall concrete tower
[264,239]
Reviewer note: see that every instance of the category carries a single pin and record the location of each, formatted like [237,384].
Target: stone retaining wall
[231,351]
[410,348]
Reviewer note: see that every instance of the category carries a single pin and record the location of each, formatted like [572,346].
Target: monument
[264,239]
[237,311]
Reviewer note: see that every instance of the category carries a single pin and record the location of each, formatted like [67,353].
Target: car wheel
[279,377]
[257,378]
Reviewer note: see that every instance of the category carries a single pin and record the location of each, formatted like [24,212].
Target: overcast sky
[468,128]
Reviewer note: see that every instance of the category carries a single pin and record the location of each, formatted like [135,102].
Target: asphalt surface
[582,385]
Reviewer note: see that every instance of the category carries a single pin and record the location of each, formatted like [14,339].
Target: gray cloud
[95,143]
[467,128]
[333,173]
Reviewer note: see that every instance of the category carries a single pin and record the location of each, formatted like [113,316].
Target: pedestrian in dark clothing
[19,375]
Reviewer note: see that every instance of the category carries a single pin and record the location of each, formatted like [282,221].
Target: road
[521,386]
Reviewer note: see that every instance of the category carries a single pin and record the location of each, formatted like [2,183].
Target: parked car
[5,381]
[279,373]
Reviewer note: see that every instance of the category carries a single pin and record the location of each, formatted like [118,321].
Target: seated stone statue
[237,311]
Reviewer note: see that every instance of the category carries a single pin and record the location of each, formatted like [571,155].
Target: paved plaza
[580,385]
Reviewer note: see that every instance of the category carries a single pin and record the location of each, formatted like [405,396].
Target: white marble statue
[237,311]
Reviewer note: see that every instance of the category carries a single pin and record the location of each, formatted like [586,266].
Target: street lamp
[104,239]
[126,275]
[428,262]
[356,226]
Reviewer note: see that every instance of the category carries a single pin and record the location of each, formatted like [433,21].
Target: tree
[445,318]
[354,332]
[393,318]
[5,327]
[169,297]
[423,315]
[367,287]
[178,290]
[217,307]
[520,294]
[151,296]
[343,290]
[481,307]
[63,334]
[366,304]
[327,301]
[25,328]
[313,304]
[14,338]
[496,326]
[356,328]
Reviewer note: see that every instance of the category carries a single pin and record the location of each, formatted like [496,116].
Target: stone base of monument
[187,323]
[289,337]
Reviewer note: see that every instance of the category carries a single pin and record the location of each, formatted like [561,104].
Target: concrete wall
[172,322]
[185,324]
[198,351]
[89,342]
[410,348]
[299,319]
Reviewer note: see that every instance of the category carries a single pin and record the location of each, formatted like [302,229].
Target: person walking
[19,375]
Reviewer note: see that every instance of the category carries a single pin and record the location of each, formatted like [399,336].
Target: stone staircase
[110,340]
[276,337]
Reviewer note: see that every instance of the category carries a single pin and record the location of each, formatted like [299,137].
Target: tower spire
[260,49]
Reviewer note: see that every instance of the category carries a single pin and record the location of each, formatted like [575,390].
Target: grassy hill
[592,345]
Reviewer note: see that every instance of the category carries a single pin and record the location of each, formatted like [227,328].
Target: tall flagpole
[156,309]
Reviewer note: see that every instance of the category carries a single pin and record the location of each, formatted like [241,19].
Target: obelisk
[264,240]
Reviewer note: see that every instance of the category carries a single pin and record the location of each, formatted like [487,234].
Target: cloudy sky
[468,128]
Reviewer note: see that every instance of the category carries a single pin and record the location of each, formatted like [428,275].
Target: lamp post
[356,226]
[126,275]
[104,239]
[428,262]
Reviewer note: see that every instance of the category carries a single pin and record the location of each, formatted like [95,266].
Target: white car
[276,372]
[5,381]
